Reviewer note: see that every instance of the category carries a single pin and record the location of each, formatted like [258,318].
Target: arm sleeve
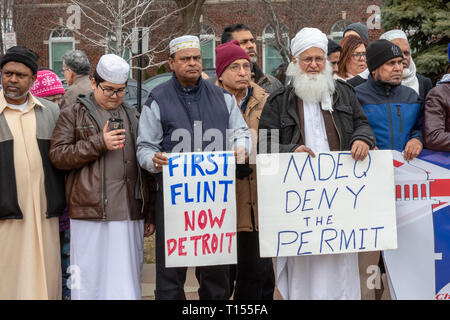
[239,135]
[434,119]
[150,136]
[66,152]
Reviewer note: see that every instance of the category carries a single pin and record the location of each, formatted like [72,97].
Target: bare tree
[6,20]
[109,24]
[191,10]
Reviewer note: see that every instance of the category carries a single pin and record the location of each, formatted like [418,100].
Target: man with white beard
[314,114]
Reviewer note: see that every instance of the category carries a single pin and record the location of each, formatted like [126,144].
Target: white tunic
[106,259]
[318,277]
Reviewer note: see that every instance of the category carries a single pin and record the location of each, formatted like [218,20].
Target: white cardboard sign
[325,205]
[200,209]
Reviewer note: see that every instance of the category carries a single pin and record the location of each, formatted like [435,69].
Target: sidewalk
[191,286]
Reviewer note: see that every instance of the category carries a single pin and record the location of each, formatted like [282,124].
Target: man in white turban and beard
[314,114]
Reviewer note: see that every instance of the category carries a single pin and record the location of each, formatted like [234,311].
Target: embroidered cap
[184,42]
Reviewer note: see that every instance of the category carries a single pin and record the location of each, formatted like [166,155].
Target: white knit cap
[113,68]
[184,42]
[394,34]
[307,38]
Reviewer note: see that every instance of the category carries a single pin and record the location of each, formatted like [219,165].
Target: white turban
[307,38]
[184,42]
[394,34]
[113,68]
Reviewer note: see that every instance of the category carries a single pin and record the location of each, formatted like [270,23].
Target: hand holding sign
[159,160]
[360,149]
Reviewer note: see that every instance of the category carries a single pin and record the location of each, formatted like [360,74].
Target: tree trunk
[191,15]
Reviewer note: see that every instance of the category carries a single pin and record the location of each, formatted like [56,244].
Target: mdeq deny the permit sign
[325,205]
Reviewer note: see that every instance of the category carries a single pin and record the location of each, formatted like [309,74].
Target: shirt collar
[31,100]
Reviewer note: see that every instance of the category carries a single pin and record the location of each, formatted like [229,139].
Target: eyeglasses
[235,67]
[109,92]
[309,60]
[358,55]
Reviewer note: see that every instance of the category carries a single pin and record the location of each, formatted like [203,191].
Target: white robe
[106,259]
[318,277]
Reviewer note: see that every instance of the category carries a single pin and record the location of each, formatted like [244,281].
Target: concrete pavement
[190,287]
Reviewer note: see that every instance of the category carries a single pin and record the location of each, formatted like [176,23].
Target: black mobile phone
[115,124]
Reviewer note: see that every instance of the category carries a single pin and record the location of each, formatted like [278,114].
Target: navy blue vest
[184,108]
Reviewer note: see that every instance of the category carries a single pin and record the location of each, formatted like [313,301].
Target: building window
[61,41]
[337,30]
[272,57]
[207,46]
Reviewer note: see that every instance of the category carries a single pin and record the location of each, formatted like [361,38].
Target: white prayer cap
[394,34]
[184,42]
[113,68]
[307,38]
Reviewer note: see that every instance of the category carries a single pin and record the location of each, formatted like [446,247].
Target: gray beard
[312,88]
[16,97]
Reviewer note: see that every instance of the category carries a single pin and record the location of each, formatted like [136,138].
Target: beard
[312,87]
[18,95]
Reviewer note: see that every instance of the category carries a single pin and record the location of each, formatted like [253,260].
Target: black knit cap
[333,46]
[22,55]
[380,51]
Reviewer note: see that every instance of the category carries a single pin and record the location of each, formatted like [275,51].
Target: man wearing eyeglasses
[94,140]
[314,114]
[188,104]
[255,279]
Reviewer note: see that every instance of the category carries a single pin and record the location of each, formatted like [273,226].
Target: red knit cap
[227,53]
[47,84]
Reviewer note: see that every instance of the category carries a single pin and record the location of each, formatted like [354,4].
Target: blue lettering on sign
[329,203]
[339,164]
[364,173]
[321,166]
[355,194]
[285,243]
[303,242]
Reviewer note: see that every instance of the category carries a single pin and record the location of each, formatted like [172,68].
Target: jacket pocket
[346,117]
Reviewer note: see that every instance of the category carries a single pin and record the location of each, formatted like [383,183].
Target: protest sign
[420,267]
[325,205]
[200,209]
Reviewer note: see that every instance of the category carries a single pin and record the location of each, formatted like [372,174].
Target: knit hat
[227,53]
[333,46]
[380,51]
[47,84]
[361,29]
[22,55]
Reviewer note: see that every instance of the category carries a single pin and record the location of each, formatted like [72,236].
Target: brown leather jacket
[77,145]
[436,122]
[246,192]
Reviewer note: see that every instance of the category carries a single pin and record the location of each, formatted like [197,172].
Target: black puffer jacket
[280,112]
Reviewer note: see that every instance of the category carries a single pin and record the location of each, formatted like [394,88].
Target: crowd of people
[80,170]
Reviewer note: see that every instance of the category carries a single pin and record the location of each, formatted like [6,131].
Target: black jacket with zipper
[280,112]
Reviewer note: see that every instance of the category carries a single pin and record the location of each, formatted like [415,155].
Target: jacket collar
[32,100]
[187,89]
[381,88]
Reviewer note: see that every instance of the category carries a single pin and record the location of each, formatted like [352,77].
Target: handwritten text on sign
[200,209]
[327,204]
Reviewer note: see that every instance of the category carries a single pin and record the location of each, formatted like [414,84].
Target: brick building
[38,24]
